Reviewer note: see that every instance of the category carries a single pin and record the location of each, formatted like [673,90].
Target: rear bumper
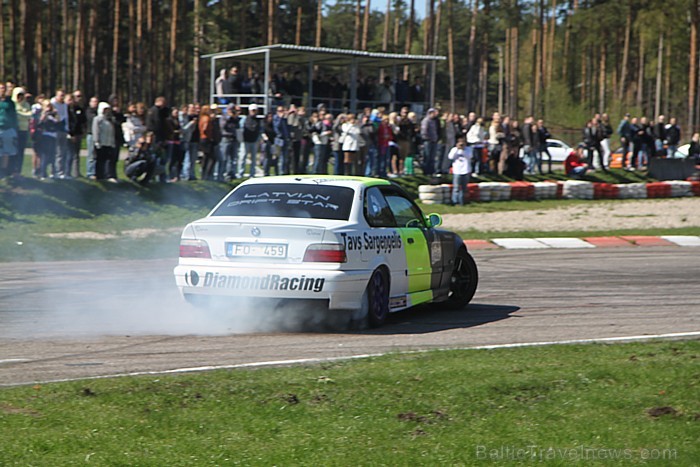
[343,289]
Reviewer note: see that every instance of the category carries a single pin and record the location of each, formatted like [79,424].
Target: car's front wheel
[464,280]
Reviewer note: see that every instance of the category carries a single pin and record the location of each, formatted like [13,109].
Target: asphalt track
[70,320]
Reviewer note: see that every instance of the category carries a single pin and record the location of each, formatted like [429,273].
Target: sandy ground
[633,214]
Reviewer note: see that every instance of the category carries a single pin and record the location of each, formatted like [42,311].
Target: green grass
[434,408]
[31,209]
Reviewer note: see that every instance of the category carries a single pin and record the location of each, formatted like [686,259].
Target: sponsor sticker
[215,280]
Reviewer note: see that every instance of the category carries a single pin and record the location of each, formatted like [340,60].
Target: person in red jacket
[574,165]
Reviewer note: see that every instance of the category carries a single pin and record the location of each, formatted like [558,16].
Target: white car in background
[558,149]
[358,244]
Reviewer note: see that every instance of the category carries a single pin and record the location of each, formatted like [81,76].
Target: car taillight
[325,253]
[194,249]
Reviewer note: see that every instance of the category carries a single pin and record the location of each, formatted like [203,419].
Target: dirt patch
[615,215]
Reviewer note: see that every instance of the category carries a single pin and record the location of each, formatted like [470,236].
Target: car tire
[465,278]
[375,300]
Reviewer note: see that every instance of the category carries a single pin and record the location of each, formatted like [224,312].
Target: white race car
[359,244]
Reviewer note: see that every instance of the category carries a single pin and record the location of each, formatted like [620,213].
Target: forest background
[557,59]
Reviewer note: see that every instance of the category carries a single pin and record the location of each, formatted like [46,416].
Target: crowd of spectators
[225,141]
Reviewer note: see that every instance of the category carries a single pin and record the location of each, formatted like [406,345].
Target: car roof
[335,180]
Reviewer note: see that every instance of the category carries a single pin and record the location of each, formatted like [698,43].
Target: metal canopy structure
[299,56]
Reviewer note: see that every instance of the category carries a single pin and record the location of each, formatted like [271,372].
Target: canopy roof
[297,54]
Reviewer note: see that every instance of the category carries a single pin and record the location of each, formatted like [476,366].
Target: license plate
[257,250]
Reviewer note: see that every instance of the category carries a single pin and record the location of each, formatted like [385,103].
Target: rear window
[289,200]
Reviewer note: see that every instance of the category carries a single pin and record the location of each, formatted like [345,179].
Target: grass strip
[564,405]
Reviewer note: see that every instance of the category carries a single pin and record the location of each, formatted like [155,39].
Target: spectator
[156,121]
[429,132]
[295,124]
[230,123]
[316,130]
[306,144]
[542,148]
[252,130]
[35,133]
[119,119]
[417,92]
[625,132]
[173,146]
[47,126]
[368,152]
[574,165]
[659,133]
[529,149]
[8,132]
[77,112]
[476,137]
[694,149]
[233,83]
[606,133]
[385,93]
[268,136]
[592,136]
[296,89]
[104,134]
[220,86]
[24,116]
[72,151]
[282,138]
[336,144]
[385,135]
[134,125]
[461,169]
[90,114]
[140,165]
[206,142]
[673,136]
[59,103]
[351,145]
[189,122]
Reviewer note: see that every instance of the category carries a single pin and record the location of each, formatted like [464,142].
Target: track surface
[73,320]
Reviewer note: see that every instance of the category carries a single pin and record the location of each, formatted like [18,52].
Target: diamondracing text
[269,282]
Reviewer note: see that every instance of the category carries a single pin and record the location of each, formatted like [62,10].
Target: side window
[405,212]
[377,210]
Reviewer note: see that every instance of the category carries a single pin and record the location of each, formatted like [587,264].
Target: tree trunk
[92,34]
[450,54]
[173,49]
[13,35]
[514,45]
[270,21]
[534,78]
[397,30]
[195,49]
[65,27]
[602,76]
[139,51]
[659,70]
[387,18]
[470,57]
[319,23]
[409,35]
[358,25]
[550,47]
[640,74]
[365,24]
[693,60]
[39,56]
[297,37]
[2,40]
[436,29]
[78,44]
[625,54]
[115,45]
[667,80]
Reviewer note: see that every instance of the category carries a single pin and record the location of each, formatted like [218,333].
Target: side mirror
[434,220]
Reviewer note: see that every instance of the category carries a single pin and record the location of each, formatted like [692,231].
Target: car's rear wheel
[465,278]
[375,302]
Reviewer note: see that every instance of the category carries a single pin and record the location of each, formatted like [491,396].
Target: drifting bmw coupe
[360,244]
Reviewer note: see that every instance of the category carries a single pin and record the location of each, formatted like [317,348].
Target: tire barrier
[570,189]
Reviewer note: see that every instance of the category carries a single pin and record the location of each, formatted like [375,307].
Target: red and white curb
[581,243]
[570,189]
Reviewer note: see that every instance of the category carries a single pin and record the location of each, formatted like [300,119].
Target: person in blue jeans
[282,138]
[461,158]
